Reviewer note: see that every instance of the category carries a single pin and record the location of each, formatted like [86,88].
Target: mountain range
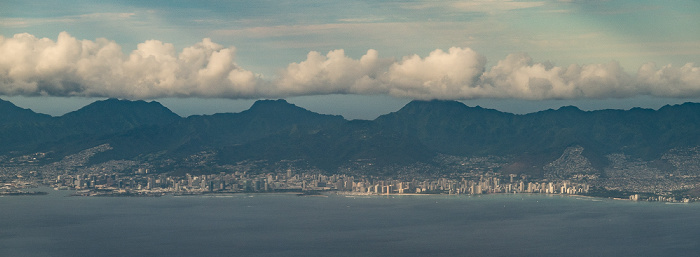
[274,133]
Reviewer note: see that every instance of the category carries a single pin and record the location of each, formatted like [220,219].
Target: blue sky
[355,58]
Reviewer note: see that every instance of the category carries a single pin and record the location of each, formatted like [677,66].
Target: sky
[358,59]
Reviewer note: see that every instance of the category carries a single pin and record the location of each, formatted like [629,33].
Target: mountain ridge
[274,131]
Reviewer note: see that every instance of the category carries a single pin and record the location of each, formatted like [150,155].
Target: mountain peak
[421,106]
[10,112]
[569,108]
[684,106]
[274,104]
[281,109]
[275,108]
[444,107]
[116,107]
[117,115]
[435,102]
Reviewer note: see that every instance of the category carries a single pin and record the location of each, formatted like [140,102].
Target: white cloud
[333,73]
[518,77]
[72,67]
[460,73]
[67,66]
[670,81]
[439,75]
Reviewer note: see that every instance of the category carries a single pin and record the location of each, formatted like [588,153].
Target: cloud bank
[71,67]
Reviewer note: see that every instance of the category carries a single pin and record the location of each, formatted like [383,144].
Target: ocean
[289,225]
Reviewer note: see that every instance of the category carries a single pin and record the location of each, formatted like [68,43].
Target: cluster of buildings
[143,183]
[570,174]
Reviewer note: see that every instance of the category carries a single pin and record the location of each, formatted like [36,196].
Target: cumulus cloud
[518,76]
[670,81]
[439,75]
[333,73]
[72,67]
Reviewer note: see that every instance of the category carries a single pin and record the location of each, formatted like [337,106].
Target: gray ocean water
[288,225]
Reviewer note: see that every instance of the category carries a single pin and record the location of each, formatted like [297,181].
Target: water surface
[288,225]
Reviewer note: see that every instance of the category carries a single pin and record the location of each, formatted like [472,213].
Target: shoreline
[322,193]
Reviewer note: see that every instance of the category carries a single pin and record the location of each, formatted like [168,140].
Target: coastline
[312,193]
